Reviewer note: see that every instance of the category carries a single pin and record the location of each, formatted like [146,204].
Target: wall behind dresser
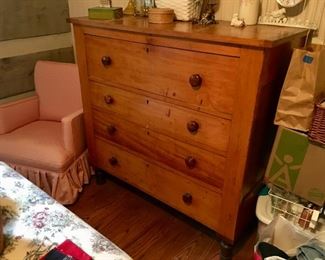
[31,30]
[80,7]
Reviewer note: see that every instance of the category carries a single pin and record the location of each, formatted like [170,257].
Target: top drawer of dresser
[168,72]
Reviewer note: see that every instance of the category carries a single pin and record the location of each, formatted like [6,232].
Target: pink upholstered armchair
[42,137]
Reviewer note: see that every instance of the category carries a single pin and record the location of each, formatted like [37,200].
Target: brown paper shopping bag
[304,82]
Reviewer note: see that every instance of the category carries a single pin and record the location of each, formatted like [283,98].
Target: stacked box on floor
[297,165]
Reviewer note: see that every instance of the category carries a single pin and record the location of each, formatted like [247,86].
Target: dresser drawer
[191,160]
[168,72]
[195,128]
[180,192]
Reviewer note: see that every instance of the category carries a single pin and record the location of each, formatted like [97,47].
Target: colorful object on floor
[296,165]
[309,251]
[66,250]
[265,250]
[105,13]
[34,223]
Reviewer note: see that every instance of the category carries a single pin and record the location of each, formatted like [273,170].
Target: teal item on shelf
[264,191]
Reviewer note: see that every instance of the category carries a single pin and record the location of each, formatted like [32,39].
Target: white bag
[286,236]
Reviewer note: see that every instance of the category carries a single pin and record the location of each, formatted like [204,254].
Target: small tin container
[161,15]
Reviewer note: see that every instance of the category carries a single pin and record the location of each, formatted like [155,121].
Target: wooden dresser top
[264,36]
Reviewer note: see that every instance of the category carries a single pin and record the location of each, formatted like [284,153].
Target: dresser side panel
[250,70]
[263,132]
[85,91]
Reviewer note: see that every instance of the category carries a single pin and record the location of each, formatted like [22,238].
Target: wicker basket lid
[161,11]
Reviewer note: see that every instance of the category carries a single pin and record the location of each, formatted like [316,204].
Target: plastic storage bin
[275,202]
[280,226]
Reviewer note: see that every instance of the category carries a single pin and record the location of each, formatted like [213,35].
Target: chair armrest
[74,132]
[18,113]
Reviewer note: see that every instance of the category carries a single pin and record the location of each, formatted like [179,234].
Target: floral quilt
[34,223]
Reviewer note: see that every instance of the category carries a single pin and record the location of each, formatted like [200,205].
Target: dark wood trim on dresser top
[260,56]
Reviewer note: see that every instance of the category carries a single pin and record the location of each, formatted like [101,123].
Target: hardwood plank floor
[147,229]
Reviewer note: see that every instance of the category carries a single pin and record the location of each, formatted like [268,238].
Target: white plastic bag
[286,236]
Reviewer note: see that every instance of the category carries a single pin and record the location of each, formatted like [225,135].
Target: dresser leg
[226,251]
[100,177]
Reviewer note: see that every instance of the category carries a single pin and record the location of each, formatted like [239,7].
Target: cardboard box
[297,165]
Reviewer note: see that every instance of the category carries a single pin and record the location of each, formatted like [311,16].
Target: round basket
[161,15]
[317,130]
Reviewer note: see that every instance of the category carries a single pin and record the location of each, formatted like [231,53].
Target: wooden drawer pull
[106,61]
[113,161]
[193,127]
[196,81]
[111,129]
[190,162]
[187,198]
[108,99]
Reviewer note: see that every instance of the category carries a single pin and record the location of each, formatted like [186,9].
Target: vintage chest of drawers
[184,112]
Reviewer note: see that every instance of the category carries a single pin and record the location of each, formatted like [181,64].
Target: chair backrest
[58,87]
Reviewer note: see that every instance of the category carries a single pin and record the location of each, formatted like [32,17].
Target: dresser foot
[100,177]
[225,251]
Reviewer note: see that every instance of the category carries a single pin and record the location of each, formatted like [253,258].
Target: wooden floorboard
[147,229]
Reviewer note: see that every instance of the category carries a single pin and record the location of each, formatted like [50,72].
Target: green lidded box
[105,13]
[297,165]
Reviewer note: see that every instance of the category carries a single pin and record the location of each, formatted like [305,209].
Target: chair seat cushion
[38,144]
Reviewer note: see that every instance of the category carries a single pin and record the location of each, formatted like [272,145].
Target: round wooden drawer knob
[106,61]
[196,81]
[108,99]
[193,127]
[111,129]
[190,162]
[187,198]
[113,161]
